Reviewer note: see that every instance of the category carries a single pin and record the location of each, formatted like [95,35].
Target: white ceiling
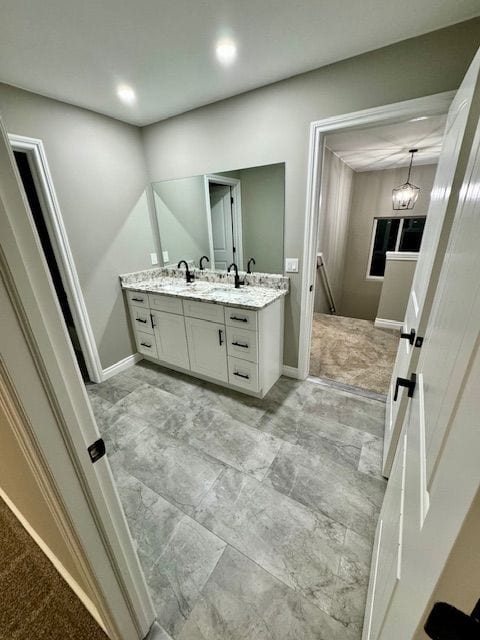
[387,147]
[80,50]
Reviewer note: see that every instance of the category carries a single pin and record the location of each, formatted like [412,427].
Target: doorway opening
[224,215]
[34,200]
[363,252]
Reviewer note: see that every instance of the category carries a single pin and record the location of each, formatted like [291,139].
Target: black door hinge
[405,382]
[231,200]
[446,622]
[97,450]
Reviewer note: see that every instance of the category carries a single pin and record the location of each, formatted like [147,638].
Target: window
[393,234]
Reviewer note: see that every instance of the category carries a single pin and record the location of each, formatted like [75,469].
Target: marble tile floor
[252,519]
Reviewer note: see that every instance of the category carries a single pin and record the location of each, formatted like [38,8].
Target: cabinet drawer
[146,344]
[242,343]
[241,318]
[243,374]
[141,319]
[138,299]
[166,303]
[203,310]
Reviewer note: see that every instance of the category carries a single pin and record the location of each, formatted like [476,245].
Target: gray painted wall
[182,218]
[333,228]
[396,289]
[271,124]
[99,173]
[372,197]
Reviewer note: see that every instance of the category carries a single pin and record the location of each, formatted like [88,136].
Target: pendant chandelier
[406,195]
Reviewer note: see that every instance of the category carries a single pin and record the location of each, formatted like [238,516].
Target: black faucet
[249,270]
[238,282]
[201,262]
[189,276]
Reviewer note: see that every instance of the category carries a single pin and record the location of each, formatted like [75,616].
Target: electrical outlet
[291,265]
[165,257]
[153,258]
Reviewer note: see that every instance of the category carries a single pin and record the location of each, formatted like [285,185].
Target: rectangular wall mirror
[230,216]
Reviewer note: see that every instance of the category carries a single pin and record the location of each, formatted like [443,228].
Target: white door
[459,132]
[436,473]
[37,359]
[171,339]
[207,348]
[222,225]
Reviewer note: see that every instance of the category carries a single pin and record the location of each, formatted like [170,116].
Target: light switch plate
[291,265]
[153,258]
[165,257]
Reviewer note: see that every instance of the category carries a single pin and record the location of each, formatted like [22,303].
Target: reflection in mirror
[230,216]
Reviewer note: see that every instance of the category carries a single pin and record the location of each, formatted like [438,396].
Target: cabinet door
[207,348]
[170,338]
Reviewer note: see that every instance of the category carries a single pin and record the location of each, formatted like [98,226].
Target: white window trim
[396,252]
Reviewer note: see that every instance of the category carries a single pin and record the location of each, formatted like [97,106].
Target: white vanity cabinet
[233,346]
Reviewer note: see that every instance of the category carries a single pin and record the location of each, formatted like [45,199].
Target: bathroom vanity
[208,328]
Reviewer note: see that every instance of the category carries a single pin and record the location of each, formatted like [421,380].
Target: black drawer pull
[238,319]
[144,344]
[137,299]
[241,375]
[220,337]
[240,344]
[141,320]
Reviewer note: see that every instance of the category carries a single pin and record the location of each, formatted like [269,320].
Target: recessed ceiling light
[126,94]
[226,51]
[419,118]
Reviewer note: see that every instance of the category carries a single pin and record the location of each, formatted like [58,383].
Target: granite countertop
[247,296]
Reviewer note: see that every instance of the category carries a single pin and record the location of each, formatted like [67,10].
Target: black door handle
[220,337]
[152,322]
[410,384]
[409,336]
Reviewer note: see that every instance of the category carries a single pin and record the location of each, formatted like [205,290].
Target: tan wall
[459,582]
[99,174]
[334,219]
[372,197]
[271,125]
[396,289]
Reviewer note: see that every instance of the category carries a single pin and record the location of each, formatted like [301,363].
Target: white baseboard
[121,365]
[290,372]
[66,575]
[382,323]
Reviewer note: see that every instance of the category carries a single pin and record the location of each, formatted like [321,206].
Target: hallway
[252,518]
[352,352]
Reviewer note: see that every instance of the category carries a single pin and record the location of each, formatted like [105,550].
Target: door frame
[235,184]
[37,159]
[64,425]
[386,114]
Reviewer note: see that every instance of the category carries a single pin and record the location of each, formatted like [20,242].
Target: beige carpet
[35,602]
[353,352]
